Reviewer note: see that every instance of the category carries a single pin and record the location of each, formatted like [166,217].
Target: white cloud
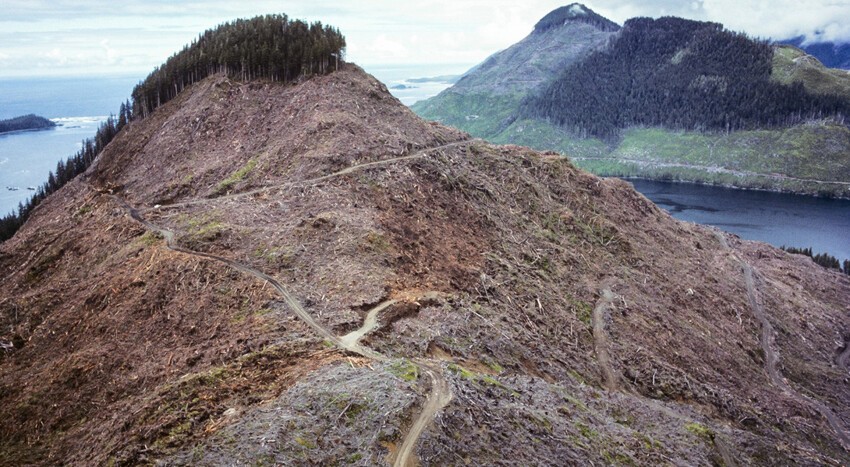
[133,36]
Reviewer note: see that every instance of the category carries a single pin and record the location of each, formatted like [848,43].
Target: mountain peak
[574,12]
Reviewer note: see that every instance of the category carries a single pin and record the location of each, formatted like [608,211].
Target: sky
[130,37]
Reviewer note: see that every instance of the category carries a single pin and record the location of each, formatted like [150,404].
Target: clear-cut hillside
[305,274]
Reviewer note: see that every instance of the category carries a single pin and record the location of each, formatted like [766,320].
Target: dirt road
[440,394]
[347,170]
[439,397]
[290,301]
[771,358]
[369,324]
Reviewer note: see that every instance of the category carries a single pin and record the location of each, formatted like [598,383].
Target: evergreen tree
[268,47]
[678,74]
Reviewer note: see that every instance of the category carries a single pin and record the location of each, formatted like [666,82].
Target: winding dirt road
[440,394]
[369,324]
[771,359]
[438,399]
[312,181]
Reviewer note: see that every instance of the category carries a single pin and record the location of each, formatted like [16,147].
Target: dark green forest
[266,47]
[25,122]
[678,74]
[271,47]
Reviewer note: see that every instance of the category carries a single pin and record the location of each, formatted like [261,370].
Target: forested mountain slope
[681,75]
[485,99]
[677,99]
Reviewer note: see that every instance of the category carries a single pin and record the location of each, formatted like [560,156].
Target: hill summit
[575,12]
[304,273]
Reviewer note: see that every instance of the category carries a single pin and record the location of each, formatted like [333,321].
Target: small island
[25,123]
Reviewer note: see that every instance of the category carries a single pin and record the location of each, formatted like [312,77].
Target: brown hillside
[188,301]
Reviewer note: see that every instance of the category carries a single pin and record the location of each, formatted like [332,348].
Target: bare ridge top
[575,12]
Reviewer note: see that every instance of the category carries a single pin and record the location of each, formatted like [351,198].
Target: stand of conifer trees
[826,260]
[681,75]
[270,47]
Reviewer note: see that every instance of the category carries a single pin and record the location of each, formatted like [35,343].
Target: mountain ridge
[202,294]
[831,54]
[810,155]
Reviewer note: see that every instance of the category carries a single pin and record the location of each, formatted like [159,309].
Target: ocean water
[397,78]
[77,105]
[67,97]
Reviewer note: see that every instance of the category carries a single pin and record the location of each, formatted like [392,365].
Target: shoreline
[28,130]
[722,185]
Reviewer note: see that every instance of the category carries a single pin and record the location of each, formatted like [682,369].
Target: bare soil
[275,217]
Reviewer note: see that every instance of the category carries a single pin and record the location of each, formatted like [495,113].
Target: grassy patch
[83,211]
[700,430]
[236,177]
[584,312]
[404,369]
[149,238]
[474,377]
[377,242]
[305,443]
[274,256]
[204,228]
[44,263]
[586,431]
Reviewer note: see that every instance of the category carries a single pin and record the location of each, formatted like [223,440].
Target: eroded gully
[771,359]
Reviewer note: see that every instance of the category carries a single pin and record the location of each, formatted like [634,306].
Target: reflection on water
[775,218]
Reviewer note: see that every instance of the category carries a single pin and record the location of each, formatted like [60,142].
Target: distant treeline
[271,47]
[25,122]
[825,260]
[678,74]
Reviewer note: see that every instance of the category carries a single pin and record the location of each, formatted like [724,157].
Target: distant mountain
[793,65]
[667,98]
[25,122]
[677,74]
[484,100]
[831,54]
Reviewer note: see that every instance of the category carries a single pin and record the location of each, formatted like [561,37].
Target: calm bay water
[78,105]
[775,218]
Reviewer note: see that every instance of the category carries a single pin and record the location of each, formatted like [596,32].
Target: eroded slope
[536,313]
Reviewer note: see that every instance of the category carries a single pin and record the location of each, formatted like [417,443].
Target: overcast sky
[130,37]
